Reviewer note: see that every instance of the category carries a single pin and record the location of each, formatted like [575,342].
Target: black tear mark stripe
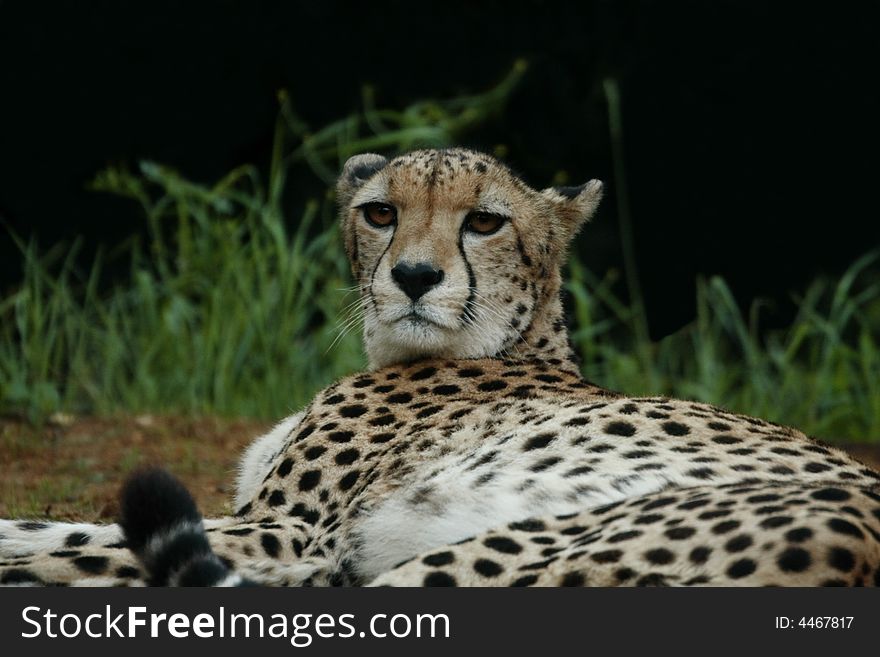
[376,268]
[467,312]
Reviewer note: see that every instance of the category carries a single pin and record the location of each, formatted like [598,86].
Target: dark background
[750,128]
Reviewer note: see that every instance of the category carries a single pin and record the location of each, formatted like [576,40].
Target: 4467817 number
[814,622]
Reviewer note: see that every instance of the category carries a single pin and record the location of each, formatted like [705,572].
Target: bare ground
[72,470]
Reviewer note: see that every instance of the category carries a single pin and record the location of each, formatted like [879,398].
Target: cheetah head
[455,256]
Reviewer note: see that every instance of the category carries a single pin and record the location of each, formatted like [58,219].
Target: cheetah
[472,452]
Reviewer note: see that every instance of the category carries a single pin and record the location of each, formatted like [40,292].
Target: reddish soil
[73,470]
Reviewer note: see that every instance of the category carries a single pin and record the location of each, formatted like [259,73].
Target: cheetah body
[473,452]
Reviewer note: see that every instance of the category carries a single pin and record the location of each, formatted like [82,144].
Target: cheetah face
[454,256]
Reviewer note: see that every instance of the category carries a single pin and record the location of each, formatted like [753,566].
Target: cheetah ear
[575,205]
[358,169]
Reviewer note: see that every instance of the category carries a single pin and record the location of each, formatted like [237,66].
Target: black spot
[276,498]
[659,556]
[285,467]
[528,526]
[680,533]
[700,555]
[833,582]
[487,568]
[341,436]
[724,439]
[692,504]
[830,495]
[448,389]
[764,510]
[492,385]
[31,525]
[701,473]
[423,373]
[305,433]
[382,438]
[354,410]
[439,578]
[607,556]
[676,428]
[399,398]
[309,480]
[128,572]
[741,568]
[738,543]
[624,536]
[776,521]
[618,428]
[347,457]
[76,539]
[543,464]
[428,412]
[503,544]
[243,511]
[310,516]
[842,526]
[652,579]
[648,519]
[526,580]
[271,544]
[439,559]
[841,559]
[242,531]
[726,526]
[656,504]
[91,565]
[816,467]
[794,560]
[19,576]
[760,499]
[799,535]
[718,426]
[382,420]
[314,452]
[573,578]
[349,480]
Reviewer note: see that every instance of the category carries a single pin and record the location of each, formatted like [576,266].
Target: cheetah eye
[379,215]
[483,222]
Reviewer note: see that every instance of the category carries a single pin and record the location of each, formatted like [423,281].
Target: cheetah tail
[164,529]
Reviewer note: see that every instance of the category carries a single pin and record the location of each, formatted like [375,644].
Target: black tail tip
[153,500]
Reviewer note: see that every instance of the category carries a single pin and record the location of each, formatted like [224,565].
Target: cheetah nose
[416,279]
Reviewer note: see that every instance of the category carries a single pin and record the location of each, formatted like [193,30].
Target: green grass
[226,309]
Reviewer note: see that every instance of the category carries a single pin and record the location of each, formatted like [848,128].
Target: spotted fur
[472,452]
